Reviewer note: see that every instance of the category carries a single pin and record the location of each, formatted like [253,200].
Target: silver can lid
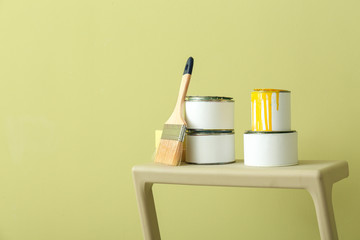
[269,132]
[270,90]
[208,99]
[205,132]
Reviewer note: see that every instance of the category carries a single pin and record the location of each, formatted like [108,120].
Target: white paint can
[270,110]
[270,149]
[210,147]
[209,112]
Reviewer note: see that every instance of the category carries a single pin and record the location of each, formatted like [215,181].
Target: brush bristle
[169,152]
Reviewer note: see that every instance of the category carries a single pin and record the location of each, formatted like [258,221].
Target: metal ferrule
[174,132]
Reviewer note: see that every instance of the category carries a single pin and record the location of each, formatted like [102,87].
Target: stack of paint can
[210,130]
[271,142]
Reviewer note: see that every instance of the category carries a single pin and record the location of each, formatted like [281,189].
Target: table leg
[147,210]
[322,196]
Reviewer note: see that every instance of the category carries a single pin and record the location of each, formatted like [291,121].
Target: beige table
[317,177]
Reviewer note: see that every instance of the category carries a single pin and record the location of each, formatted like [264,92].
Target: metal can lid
[270,90]
[269,132]
[202,132]
[208,99]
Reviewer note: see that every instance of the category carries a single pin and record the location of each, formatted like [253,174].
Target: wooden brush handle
[177,115]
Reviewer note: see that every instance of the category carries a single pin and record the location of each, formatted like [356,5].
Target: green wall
[84,84]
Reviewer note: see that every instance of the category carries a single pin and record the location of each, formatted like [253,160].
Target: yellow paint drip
[261,108]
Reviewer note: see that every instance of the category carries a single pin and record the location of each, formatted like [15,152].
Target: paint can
[270,110]
[271,142]
[209,112]
[270,149]
[210,147]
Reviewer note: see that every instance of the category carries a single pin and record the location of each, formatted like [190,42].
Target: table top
[335,170]
[304,166]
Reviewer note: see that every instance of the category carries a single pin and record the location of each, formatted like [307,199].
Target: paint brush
[172,139]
